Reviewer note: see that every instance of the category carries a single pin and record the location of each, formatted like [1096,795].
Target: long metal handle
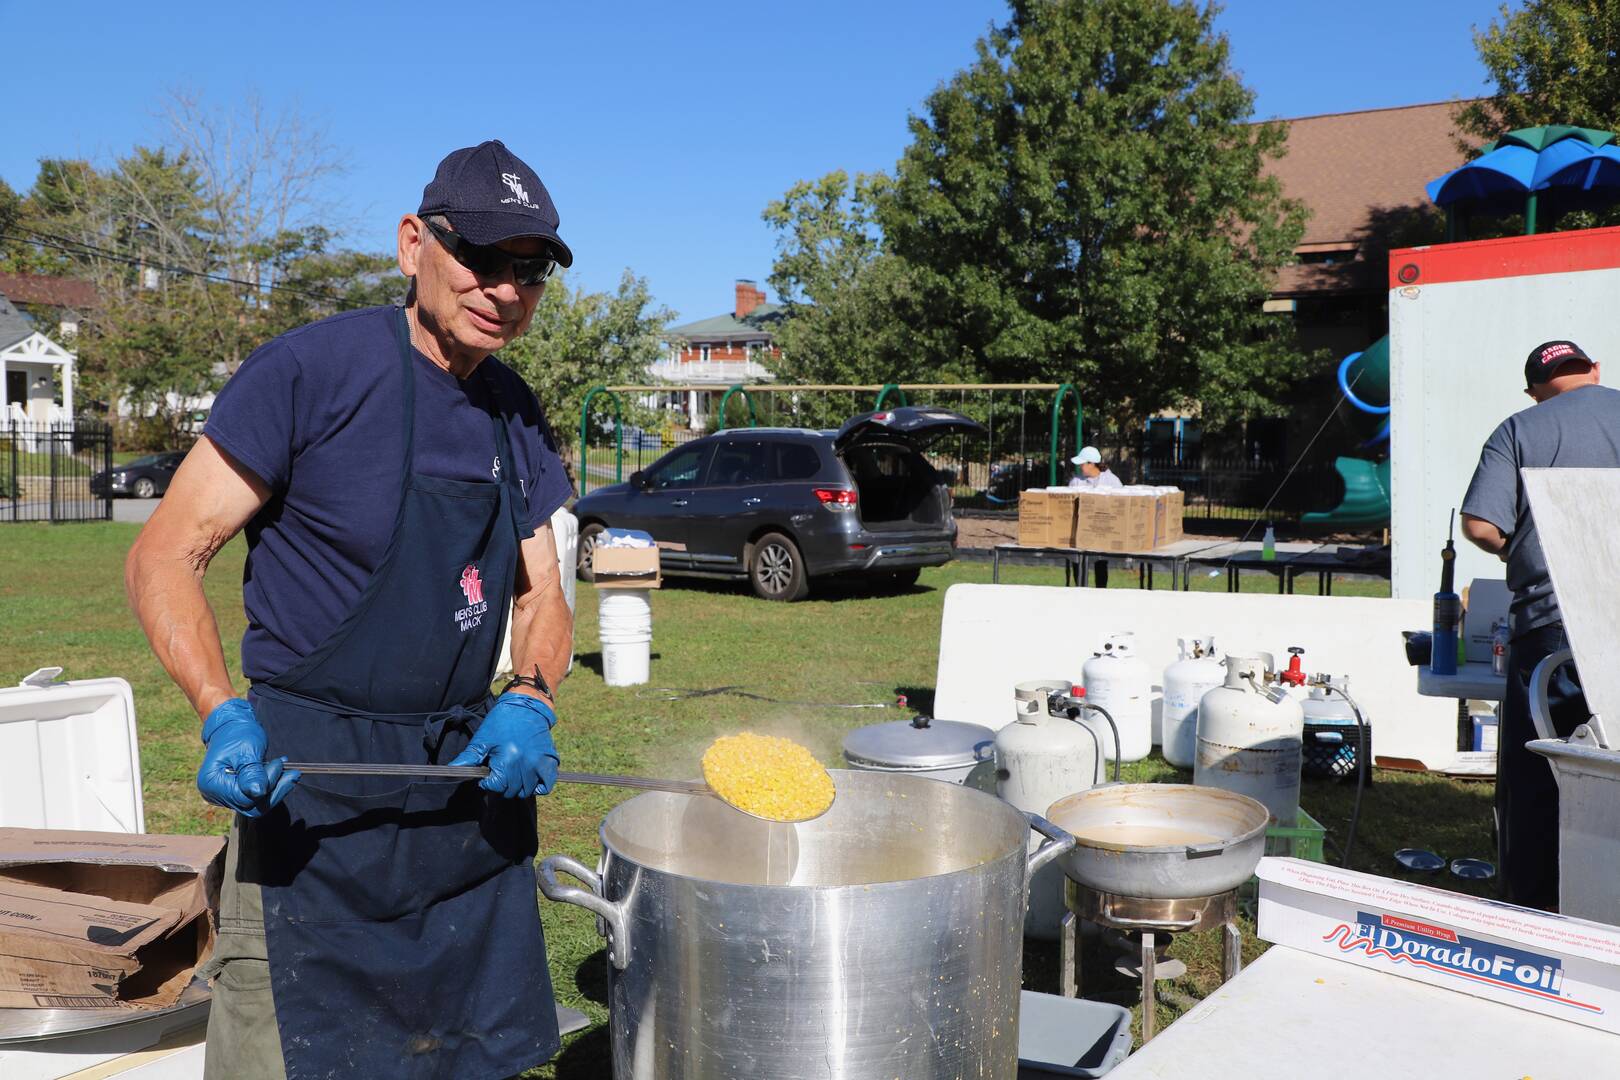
[680,787]
[1058,842]
[476,772]
[610,914]
[368,768]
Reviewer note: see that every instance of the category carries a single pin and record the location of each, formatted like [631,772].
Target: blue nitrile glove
[515,742]
[234,773]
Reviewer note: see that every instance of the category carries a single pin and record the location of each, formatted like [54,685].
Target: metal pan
[1161,841]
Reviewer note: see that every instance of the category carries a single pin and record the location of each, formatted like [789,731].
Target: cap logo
[515,183]
[1553,352]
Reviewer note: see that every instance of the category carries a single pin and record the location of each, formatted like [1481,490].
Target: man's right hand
[234,773]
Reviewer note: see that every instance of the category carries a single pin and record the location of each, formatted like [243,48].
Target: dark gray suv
[782,505]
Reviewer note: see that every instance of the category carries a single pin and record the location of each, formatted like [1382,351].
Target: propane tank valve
[1067,705]
[1272,692]
[1295,675]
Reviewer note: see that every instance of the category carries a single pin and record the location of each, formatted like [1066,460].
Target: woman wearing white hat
[1092,472]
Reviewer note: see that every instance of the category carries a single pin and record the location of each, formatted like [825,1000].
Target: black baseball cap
[1546,358]
[488,195]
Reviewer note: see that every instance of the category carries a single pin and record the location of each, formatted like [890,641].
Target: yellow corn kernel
[768,776]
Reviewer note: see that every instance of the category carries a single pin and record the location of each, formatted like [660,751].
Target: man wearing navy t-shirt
[396,483]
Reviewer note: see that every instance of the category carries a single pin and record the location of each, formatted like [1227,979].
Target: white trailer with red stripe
[1462,319]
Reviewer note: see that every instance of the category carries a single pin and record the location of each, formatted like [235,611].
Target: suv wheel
[776,569]
[587,548]
[144,488]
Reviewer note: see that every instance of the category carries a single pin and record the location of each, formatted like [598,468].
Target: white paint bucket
[624,617]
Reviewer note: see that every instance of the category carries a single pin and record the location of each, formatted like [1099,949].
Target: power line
[83,250]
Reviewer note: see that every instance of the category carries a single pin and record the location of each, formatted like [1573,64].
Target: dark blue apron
[401,920]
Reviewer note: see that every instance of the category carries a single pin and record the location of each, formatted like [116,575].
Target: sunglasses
[489,261]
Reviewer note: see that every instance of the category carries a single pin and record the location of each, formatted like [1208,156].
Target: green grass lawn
[62,603]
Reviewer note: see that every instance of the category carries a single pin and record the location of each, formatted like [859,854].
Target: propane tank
[1185,682]
[1117,680]
[1322,706]
[1040,758]
[1249,735]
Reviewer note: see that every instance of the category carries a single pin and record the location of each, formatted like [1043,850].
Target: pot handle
[611,922]
[1057,843]
[1156,924]
[1204,851]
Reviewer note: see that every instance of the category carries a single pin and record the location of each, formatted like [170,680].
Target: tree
[201,249]
[836,285]
[583,339]
[1087,201]
[1551,62]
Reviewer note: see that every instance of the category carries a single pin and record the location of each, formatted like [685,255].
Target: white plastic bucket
[627,663]
[624,618]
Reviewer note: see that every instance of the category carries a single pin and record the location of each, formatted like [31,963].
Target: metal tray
[34,1025]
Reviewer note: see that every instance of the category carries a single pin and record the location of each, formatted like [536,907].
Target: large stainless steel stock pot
[882,939]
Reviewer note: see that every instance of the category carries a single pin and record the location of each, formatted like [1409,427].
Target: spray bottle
[1447,608]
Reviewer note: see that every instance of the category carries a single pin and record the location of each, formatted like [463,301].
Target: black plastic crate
[1332,751]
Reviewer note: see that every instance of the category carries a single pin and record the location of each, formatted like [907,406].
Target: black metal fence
[988,471]
[55,472]
[1233,486]
[1228,476]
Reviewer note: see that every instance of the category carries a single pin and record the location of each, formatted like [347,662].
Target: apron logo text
[472,587]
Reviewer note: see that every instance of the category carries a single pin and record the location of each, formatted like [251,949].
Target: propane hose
[1074,710]
[1362,752]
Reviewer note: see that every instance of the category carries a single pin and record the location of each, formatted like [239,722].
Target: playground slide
[1364,380]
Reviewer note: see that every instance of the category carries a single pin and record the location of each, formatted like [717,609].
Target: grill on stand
[1150,861]
[1143,929]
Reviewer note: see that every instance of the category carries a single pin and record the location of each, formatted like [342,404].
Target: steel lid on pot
[920,743]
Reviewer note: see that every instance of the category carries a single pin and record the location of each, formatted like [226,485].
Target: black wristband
[537,681]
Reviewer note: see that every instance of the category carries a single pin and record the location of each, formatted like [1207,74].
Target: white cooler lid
[69,758]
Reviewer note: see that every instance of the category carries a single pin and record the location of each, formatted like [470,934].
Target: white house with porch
[30,366]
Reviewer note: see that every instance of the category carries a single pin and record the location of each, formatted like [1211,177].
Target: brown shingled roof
[1354,168]
[50,291]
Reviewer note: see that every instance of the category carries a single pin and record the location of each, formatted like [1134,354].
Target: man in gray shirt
[1575,424]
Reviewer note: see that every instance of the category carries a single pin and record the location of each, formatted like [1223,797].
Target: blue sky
[661,129]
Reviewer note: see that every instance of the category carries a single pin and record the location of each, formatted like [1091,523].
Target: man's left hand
[515,742]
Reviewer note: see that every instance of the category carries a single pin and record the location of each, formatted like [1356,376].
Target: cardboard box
[1172,511]
[1046,518]
[98,920]
[626,568]
[1116,522]
[1548,964]
[1487,600]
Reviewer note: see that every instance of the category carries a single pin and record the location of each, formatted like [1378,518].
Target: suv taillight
[837,498]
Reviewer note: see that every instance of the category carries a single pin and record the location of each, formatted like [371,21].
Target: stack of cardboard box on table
[1126,519]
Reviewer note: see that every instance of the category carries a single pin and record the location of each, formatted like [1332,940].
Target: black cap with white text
[488,195]
[1545,360]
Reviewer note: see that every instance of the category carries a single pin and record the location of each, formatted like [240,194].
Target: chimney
[749,297]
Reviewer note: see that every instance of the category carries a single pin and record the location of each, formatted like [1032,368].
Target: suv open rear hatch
[916,426]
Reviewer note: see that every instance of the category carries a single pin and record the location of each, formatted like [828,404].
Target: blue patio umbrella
[1581,163]
[1589,172]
